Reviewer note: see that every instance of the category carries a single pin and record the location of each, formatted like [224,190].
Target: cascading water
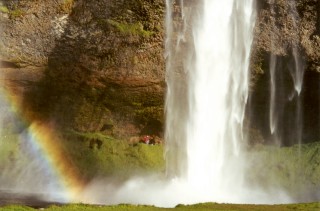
[207,96]
[281,99]
[297,74]
[273,112]
[297,71]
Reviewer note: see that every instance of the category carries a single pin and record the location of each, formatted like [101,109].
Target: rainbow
[48,145]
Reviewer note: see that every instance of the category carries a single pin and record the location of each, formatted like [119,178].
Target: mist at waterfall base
[208,48]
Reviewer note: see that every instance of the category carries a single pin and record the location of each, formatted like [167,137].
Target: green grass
[197,207]
[295,169]
[114,157]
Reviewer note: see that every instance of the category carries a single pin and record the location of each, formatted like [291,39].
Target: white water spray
[206,99]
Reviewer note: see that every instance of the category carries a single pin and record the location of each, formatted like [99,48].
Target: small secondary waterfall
[273,111]
[207,75]
[297,74]
[279,97]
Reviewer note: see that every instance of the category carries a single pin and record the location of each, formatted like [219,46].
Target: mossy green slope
[98,155]
[294,169]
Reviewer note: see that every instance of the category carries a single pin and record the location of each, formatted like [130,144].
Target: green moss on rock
[130,29]
[4,9]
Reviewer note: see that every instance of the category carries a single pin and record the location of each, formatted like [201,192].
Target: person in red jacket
[146,139]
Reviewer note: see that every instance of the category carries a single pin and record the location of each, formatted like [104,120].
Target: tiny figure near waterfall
[146,139]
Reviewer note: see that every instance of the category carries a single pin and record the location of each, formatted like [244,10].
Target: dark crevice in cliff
[6,64]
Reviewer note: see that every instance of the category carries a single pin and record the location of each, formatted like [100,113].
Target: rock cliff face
[284,24]
[287,35]
[101,62]
[99,65]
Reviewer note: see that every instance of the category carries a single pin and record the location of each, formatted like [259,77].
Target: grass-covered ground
[295,169]
[197,207]
[100,155]
[94,154]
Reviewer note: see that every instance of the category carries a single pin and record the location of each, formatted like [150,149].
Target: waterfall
[274,109]
[207,52]
[208,80]
[280,117]
[297,74]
